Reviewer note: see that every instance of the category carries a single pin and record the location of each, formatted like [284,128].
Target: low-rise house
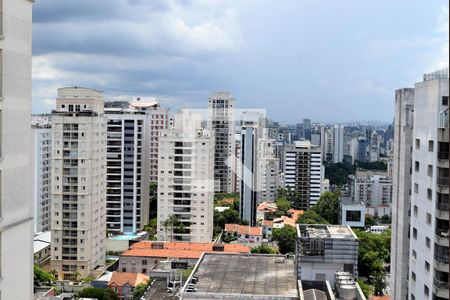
[125,283]
[245,233]
[143,256]
[41,248]
[264,209]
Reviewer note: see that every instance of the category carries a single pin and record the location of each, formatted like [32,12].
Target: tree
[370,220]
[311,217]
[139,291]
[153,198]
[171,222]
[265,249]
[373,252]
[285,238]
[328,206]
[42,277]
[338,173]
[283,205]
[386,219]
[97,293]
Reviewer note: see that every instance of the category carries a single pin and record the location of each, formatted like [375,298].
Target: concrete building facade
[401,202]
[41,144]
[128,158]
[185,182]
[221,106]
[78,182]
[303,170]
[16,208]
[429,242]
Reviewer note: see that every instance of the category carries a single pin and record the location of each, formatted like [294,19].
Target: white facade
[78,182]
[268,171]
[221,108]
[128,152]
[186,181]
[374,189]
[352,214]
[338,143]
[303,170]
[16,208]
[429,242]
[41,141]
[401,202]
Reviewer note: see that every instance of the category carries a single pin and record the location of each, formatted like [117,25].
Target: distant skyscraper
[16,208]
[78,182]
[304,172]
[338,143]
[41,145]
[221,108]
[401,199]
[307,129]
[185,181]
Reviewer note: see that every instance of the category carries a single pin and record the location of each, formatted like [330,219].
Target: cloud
[132,46]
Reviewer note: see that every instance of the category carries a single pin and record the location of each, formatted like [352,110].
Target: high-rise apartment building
[304,173]
[186,182]
[429,242]
[221,108]
[127,175]
[338,143]
[78,182]
[421,174]
[401,202]
[41,145]
[372,188]
[16,213]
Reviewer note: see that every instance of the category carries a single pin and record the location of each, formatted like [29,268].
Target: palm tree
[171,222]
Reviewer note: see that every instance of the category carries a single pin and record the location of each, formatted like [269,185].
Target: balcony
[442,209]
[440,288]
[441,262]
[442,237]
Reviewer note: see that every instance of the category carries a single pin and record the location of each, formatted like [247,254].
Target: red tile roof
[132,279]
[267,207]
[243,229]
[179,250]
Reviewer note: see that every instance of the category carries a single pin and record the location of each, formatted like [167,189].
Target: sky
[327,60]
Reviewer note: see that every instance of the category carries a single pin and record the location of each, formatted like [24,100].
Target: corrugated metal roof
[314,294]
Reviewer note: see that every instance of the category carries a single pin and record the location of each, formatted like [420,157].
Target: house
[264,209]
[41,248]
[245,233]
[125,283]
[143,256]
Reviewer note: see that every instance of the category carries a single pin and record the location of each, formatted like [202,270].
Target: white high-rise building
[16,209]
[221,108]
[268,171]
[374,189]
[401,202]
[78,182]
[429,242]
[41,145]
[186,181]
[338,143]
[128,153]
[304,173]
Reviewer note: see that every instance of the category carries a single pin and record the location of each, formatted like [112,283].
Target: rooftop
[132,279]
[325,231]
[243,229]
[230,275]
[181,250]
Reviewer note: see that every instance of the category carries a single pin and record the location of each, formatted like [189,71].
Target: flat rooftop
[228,276]
[325,231]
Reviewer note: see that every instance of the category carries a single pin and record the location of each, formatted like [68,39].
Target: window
[353,216]
[413,276]
[428,219]
[431,146]
[430,171]
[414,254]
[413,297]
[416,166]
[427,242]
[445,100]
[415,233]
[416,210]
[426,290]
[417,143]
[427,266]
[416,188]
[430,194]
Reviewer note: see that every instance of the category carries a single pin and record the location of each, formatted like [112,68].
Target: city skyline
[180,53]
